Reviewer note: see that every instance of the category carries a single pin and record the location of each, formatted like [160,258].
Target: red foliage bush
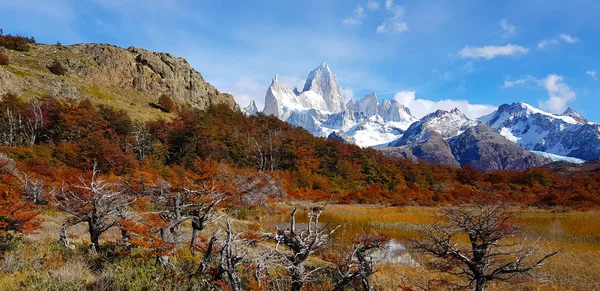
[16,214]
[4,60]
[166,103]
[16,42]
[57,68]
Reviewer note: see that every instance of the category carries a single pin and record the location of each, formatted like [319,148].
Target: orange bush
[16,214]
[4,60]
[57,68]
[166,103]
[15,42]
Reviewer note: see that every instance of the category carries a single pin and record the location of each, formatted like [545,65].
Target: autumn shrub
[166,103]
[8,243]
[73,275]
[133,273]
[16,42]
[4,60]
[57,68]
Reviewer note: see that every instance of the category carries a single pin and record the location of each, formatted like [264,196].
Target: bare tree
[34,188]
[356,262]
[34,123]
[95,201]
[254,188]
[268,150]
[142,143]
[7,165]
[231,256]
[174,205]
[301,243]
[493,251]
[21,126]
[173,216]
[208,254]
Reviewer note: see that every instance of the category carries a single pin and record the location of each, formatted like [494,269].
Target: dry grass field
[576,267]
[577,234]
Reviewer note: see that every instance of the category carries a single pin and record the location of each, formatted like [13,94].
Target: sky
[435,54]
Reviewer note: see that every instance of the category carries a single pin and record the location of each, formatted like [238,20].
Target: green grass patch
[16,71]
[96,92]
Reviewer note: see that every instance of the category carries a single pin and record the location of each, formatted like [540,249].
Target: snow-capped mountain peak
[324,83]
[368,105]
[275,83]
[572,113]
[521,110]
[568,134]
[444,123]
[392,110]
[279,100]
[251,109]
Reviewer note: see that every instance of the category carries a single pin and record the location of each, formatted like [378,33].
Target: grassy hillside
[129,79]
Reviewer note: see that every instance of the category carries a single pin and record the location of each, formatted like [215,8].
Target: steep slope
[373,124]
[125,78]
[322,82]
[281,101]
[451,138]
[446,124]
[434,149]
[319,109]
[484,149]
[393,111]
[572,113]
[251,109]
[568,134]
[341,137]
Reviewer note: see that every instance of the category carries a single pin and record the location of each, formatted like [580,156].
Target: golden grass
[576,267]
[96,92]
[575,233]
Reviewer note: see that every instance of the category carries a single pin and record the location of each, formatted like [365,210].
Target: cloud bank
[422,107]
[564,38]
[559,93]
[491,51]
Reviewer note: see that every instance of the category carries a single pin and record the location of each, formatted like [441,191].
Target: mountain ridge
[126,78]
[369,122]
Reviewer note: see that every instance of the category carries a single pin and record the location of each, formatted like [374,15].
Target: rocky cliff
[127,78]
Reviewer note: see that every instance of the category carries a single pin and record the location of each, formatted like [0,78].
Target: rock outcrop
[108,73]
[484,149]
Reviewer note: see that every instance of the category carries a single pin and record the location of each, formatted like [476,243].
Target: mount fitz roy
[514,137]
[320,109]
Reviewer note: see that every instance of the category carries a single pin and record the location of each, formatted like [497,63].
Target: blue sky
[427,54]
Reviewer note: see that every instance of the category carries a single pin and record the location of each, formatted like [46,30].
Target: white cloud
[526,80]
[509,29]
[373,5]
[357,17]
[422,107]
[568,38]
[405,97]
[545,43]
[246,89]
[492,51]
[394,23]
[467,68]
[592,74]
[348,94]
[559,94]
[565,38]
[291,82]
